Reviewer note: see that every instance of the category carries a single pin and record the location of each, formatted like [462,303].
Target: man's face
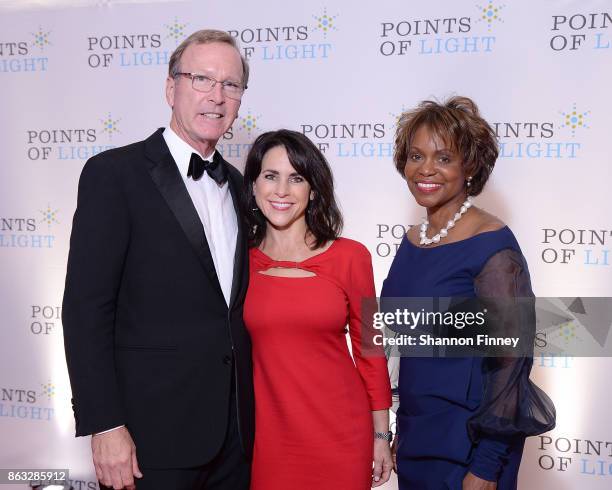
[201,118]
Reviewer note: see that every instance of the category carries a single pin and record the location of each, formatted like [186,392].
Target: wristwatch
[386,436]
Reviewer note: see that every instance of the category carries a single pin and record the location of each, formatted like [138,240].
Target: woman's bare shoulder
[484,221]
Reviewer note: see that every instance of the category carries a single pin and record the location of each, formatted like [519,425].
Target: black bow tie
[215,169]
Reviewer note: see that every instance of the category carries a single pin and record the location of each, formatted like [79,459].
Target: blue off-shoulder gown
[440,397]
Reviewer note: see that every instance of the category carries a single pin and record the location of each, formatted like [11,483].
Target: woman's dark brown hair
[323,218]
[459,124]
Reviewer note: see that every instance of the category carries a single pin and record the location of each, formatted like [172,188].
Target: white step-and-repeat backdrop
[82,77]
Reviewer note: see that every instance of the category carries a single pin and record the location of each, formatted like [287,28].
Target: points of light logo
[26,232]
[41,38]
[79,143]
[248,123]
[574,120]
[236,143]
[26,54]
[49,216]
[451,35]
[325,23]
[109,125]
[27,404]
[490,14]
[176,31]
[139,51]
[291,41]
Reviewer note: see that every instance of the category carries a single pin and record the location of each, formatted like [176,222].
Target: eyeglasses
[203,83]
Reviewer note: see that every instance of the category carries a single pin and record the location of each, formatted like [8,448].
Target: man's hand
[472,482]
[114,457]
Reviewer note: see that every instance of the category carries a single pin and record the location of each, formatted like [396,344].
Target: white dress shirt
[215,208]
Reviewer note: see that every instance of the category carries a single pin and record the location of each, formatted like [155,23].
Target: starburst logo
[48,390]
[490,14]
[325,23]
[574,119]
[568,322]
[41,38]
[109,125]
[49,216]
[567,331]
[176,30]
[248,123]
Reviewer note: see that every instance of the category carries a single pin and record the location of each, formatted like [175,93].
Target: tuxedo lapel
[168,180]
[235,187]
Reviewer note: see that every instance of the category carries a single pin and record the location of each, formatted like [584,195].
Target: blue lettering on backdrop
[143,58]
[521,149]
[26,241]
[80,152]
[364,149]
[595,468]
[601,41]
[600,260]
[471,44]
[296,51]
[26,412]
[552,360]
[23,64]
[233,150]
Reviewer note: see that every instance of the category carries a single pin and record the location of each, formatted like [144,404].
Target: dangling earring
[309,206]
[255,208]
[469,181]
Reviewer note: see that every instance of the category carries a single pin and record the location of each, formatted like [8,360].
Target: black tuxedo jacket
[150,341]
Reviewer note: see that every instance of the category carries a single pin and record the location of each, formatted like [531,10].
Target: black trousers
[229,470]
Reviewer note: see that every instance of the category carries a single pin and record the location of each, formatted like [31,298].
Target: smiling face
[281,193]
[201,118]
[434,172]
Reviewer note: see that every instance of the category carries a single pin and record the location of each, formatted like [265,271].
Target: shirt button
[227,360]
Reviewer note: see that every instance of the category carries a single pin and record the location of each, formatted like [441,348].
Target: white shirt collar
[181,150]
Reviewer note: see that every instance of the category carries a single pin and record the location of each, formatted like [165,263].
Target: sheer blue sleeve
[512,406]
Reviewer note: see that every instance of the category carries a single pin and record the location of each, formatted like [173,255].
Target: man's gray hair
[206,36]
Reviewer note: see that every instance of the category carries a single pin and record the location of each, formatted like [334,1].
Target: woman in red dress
[321,417]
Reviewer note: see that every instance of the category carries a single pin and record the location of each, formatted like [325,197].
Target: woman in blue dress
[461,422]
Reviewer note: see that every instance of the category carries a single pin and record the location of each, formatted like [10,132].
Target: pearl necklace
[467,204]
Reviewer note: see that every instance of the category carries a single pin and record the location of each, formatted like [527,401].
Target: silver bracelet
[385,436]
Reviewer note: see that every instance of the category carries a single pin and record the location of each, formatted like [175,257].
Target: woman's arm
[369,359]
[512,407]
[383,463]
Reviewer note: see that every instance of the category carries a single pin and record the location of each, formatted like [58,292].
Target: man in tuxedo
[158,354]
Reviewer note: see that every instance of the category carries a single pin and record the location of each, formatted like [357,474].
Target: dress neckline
[503,228]
[270,259]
